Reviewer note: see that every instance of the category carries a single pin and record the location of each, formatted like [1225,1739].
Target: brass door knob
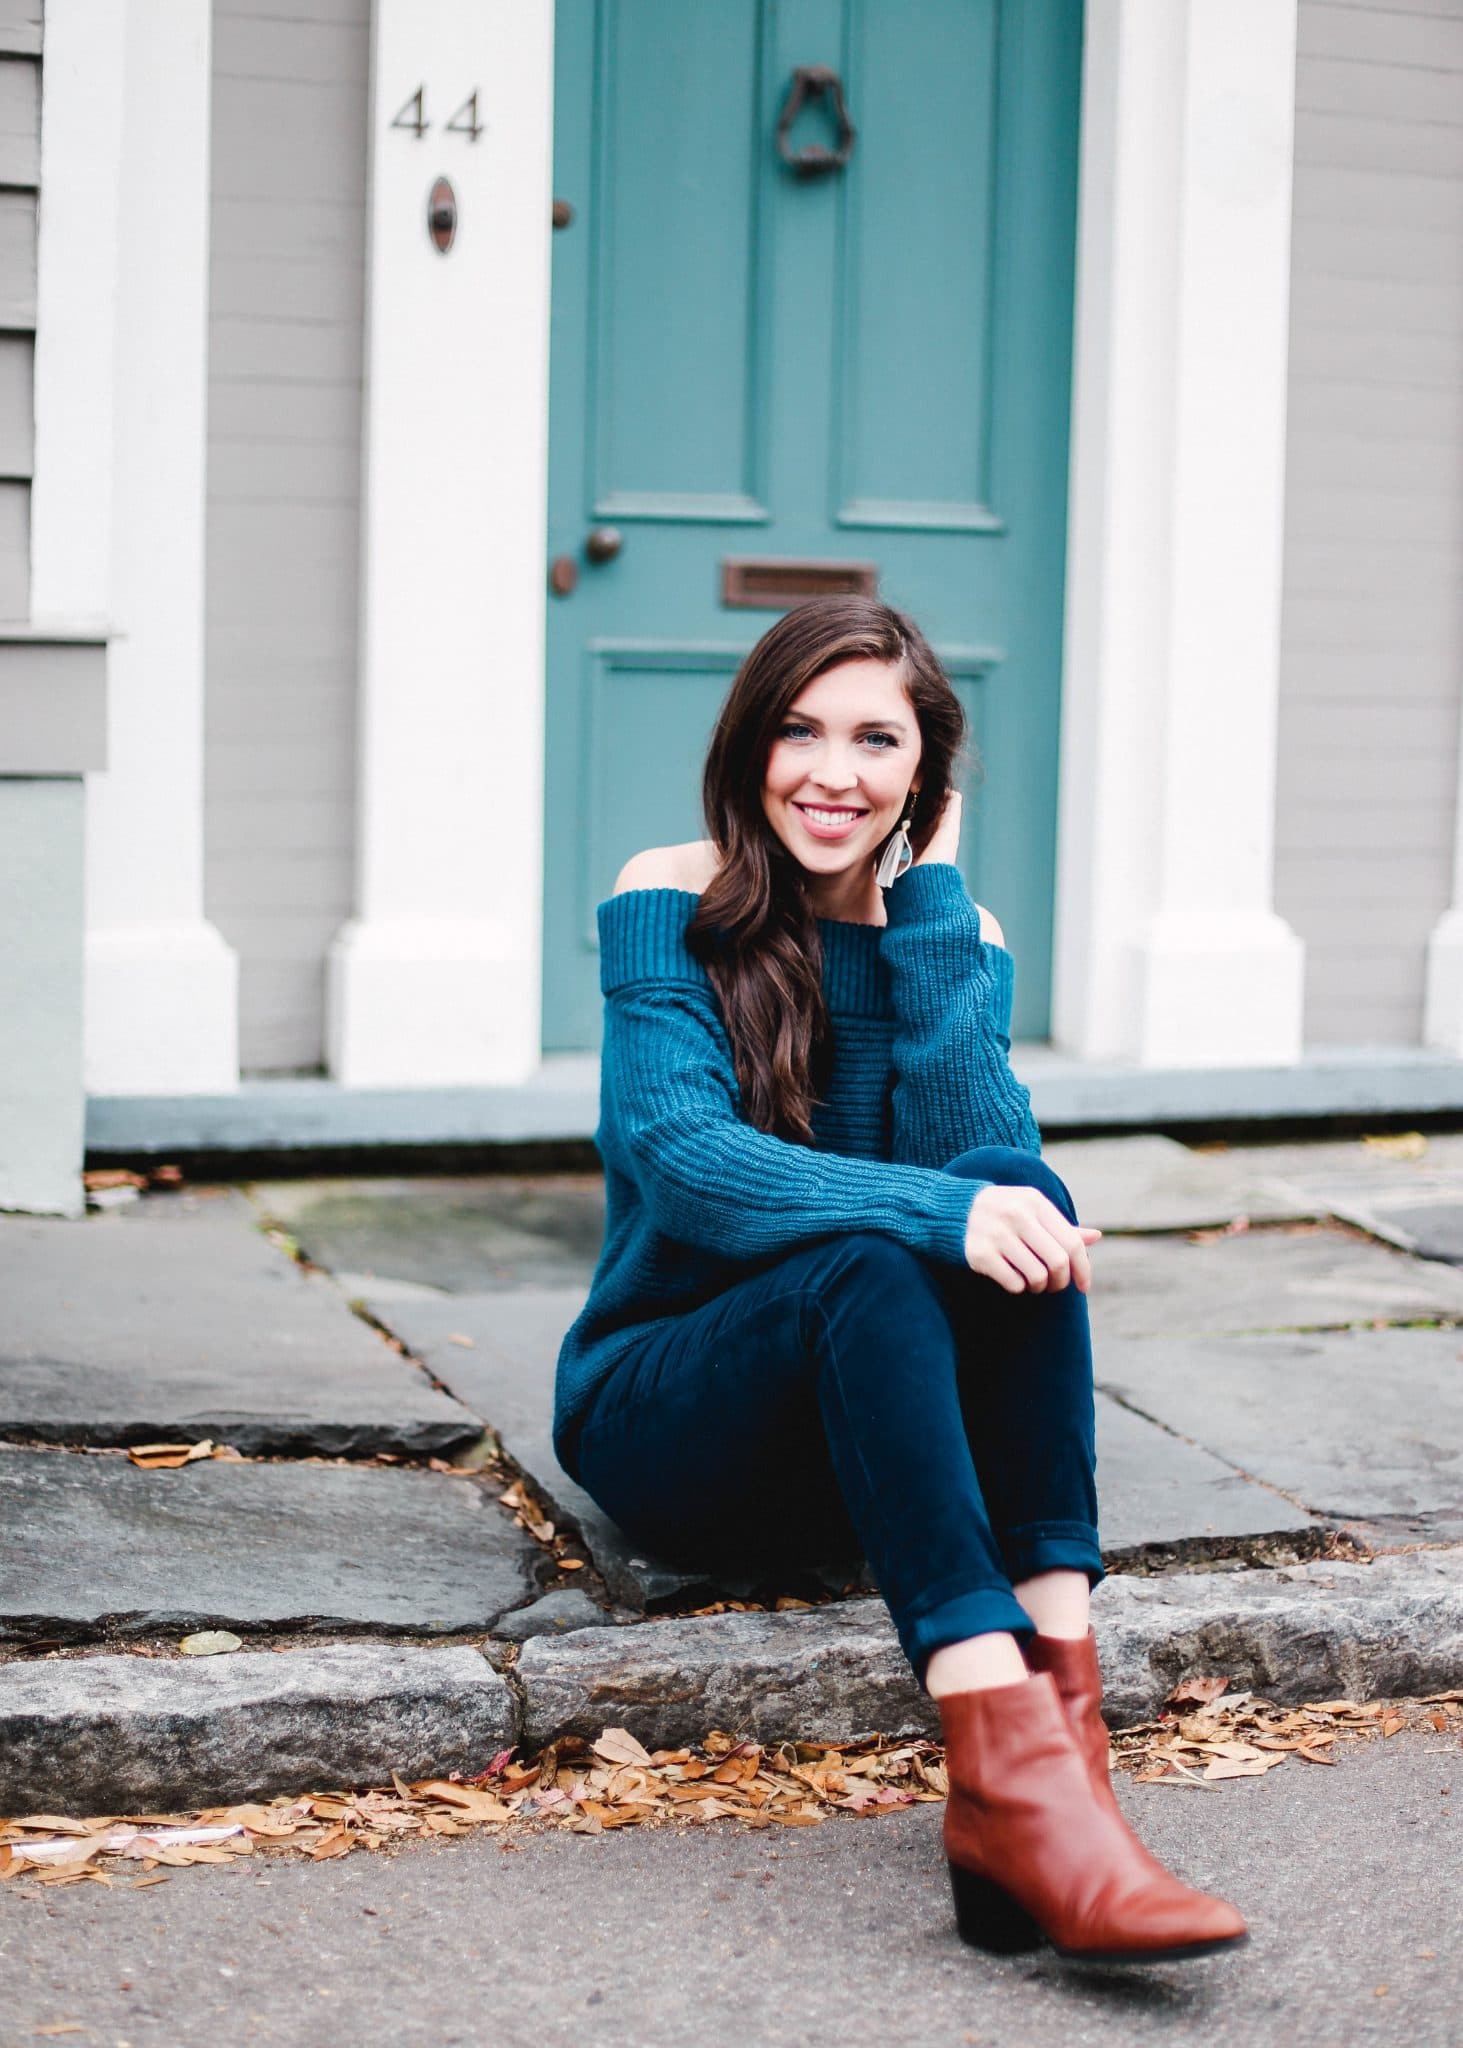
[604,543]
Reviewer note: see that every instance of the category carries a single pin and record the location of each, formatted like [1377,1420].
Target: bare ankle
[974,1664]
[1059,1602]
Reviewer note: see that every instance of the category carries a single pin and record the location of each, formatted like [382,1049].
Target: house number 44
[413,116]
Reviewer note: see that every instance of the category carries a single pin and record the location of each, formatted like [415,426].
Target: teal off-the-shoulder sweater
[696,1198]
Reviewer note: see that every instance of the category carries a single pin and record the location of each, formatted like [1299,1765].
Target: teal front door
[865,364]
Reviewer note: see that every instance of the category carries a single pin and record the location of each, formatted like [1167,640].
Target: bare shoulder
[990,930]
[689,866]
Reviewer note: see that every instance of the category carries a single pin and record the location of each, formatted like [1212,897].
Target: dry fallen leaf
[618,1746]
[1241,1767]
[210,1642]
[1198,1690]
[158,1457]
[474,1804]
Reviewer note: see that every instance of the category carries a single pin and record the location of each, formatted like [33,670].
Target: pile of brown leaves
[587,1788]
[1207,1732]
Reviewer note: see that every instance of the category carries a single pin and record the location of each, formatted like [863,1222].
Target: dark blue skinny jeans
[855,1393]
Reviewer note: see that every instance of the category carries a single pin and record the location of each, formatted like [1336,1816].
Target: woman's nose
[836,776]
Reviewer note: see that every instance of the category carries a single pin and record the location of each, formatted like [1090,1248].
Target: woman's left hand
[945,839]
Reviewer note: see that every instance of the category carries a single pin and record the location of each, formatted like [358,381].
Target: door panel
[645,705]
[916,286]
[674,421]
[868,365]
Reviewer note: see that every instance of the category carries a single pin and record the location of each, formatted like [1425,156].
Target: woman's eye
[887,737]
[792,729]
[787,731]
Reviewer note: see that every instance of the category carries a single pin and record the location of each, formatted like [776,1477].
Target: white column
[1442,1018]
[118,513]
[1442,1021]
[1168,949]
[436,978]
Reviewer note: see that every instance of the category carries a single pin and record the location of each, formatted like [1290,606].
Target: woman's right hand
[1020,1239]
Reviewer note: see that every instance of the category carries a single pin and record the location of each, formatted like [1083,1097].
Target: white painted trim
[436,978]
[124,239]
[76,303]
[1168,950]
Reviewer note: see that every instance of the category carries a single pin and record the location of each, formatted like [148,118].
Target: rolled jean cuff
[1052,1547]
[984,1610]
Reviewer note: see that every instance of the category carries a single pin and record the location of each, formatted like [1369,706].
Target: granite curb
[128,1732]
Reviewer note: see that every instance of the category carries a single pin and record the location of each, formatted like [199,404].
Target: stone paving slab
[1422,1215]
[136,1734]
[1153,1489]
[555,1614]
[175,1319]
[1345,1157]
[506,1377]
[459,1234]
[1355,1423]
[94,1542]
[1154,1183]
[1416,1203]
[1258,1280]
[1312,1632]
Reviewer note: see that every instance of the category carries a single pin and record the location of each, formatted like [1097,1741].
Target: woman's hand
[1020,1239]
[945,839]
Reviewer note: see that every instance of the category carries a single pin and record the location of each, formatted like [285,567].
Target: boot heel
[989,1918]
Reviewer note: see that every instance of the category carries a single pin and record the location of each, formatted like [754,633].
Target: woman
[841,1299]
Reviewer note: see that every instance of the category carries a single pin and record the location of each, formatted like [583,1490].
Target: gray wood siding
[20,27]
[286,306]
[17,406]
[20,121]
[14,552]
[1372,624]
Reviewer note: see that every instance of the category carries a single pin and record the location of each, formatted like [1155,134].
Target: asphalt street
[1349,1876]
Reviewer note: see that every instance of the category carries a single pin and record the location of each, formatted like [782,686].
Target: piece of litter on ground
[1397,1145]
[124,1841]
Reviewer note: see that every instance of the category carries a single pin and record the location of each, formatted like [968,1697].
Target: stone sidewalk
[1280,1434]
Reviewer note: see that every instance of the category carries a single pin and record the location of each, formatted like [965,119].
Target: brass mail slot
[773,586]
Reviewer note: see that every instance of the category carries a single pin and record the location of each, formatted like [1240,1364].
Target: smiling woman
[825,1202]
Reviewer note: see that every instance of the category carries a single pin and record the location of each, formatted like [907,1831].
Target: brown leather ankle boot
[1073,1664]
[1034,1851]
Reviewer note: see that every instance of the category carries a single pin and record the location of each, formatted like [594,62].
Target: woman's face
[843,760]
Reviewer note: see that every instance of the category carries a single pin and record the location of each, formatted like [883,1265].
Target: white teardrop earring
[897,855]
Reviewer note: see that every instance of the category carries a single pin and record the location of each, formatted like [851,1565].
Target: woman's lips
[819,830]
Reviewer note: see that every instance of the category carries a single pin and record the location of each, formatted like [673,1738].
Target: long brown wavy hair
[755,930]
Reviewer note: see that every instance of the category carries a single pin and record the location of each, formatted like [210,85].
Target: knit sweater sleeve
[709,1179]
[953,1084]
